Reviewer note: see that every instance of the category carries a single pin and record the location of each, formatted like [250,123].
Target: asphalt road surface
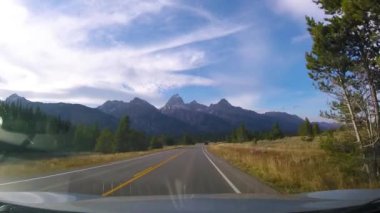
[190,170]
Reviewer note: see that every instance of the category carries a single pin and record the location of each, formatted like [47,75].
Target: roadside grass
[29,168]
[291,165]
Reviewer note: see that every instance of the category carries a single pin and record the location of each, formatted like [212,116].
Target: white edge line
[75,171]
[236,190]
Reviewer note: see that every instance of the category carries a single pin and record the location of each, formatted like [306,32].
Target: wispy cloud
[52,49]
[300,38]
[89,51]
[298,9]
[248,100]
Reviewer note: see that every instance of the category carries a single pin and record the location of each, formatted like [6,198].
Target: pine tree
[137,141]
[240,134]
[316,129]
[156,142]
[105,142]
[305,128]
[85,137]
[187,140]
[169,141]
[122,143]
[276,132]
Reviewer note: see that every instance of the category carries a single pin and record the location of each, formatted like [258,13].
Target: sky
[250,52]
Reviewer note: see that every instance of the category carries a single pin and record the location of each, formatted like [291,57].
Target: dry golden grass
[39,167]
[291,165]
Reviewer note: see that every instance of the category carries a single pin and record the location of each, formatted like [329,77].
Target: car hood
[192,203]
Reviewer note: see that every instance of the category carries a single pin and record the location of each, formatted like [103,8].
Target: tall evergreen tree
[344,63]
[85,137]
[276,132]
[137,141]
[305,128]
[241,134]
[156,142]
[105,142]
[122,143]
[316,129]
[187,140]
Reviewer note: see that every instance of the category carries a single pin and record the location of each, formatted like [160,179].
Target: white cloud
[300,38]
[92,102]
[247,101]
[298,9]
[50,51]
[198,11]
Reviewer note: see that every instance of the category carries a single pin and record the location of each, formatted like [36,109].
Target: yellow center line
[140,174]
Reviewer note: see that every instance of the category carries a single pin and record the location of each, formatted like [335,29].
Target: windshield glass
[145,98]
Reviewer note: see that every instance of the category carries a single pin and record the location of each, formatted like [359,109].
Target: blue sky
[249,52]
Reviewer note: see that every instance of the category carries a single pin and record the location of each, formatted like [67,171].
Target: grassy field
[43,166]
[291,165]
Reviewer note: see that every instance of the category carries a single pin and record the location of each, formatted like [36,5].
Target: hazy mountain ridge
[223,116]
[75,113]
[175,118]
[196,115]
[145,117]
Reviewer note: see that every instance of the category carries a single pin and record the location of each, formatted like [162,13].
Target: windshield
[170,98]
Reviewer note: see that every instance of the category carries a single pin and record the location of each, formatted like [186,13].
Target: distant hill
[288,123]
[75,113]
[175,118]
[326,126]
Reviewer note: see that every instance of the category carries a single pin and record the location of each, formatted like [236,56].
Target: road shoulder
[244,182]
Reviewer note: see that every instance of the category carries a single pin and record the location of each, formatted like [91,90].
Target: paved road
[190,170]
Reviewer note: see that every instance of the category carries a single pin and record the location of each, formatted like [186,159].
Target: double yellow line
[140,174]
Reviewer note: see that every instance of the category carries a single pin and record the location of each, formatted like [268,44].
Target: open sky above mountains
[249,52]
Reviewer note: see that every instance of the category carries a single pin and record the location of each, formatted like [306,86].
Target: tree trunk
[366,165]
[375,104]
[375,138]
[353,119]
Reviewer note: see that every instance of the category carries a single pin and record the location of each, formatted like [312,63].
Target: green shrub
[156,143]
[334,144]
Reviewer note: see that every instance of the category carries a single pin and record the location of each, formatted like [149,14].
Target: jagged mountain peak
[194,105]
[175,118]
[118,107]
[138,100]
[175,100]
[142,104]
[112,106]
[222,104]
[15,98]
[114,102]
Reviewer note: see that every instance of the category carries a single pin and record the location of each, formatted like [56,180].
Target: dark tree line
[83,138]
[87,138]
[125,139]
[30,120]
[242,134]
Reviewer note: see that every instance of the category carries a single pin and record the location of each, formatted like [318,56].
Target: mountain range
[175,118]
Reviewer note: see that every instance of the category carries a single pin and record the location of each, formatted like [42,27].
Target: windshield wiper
[372,206]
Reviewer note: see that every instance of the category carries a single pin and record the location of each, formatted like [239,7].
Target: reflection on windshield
[132,98]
